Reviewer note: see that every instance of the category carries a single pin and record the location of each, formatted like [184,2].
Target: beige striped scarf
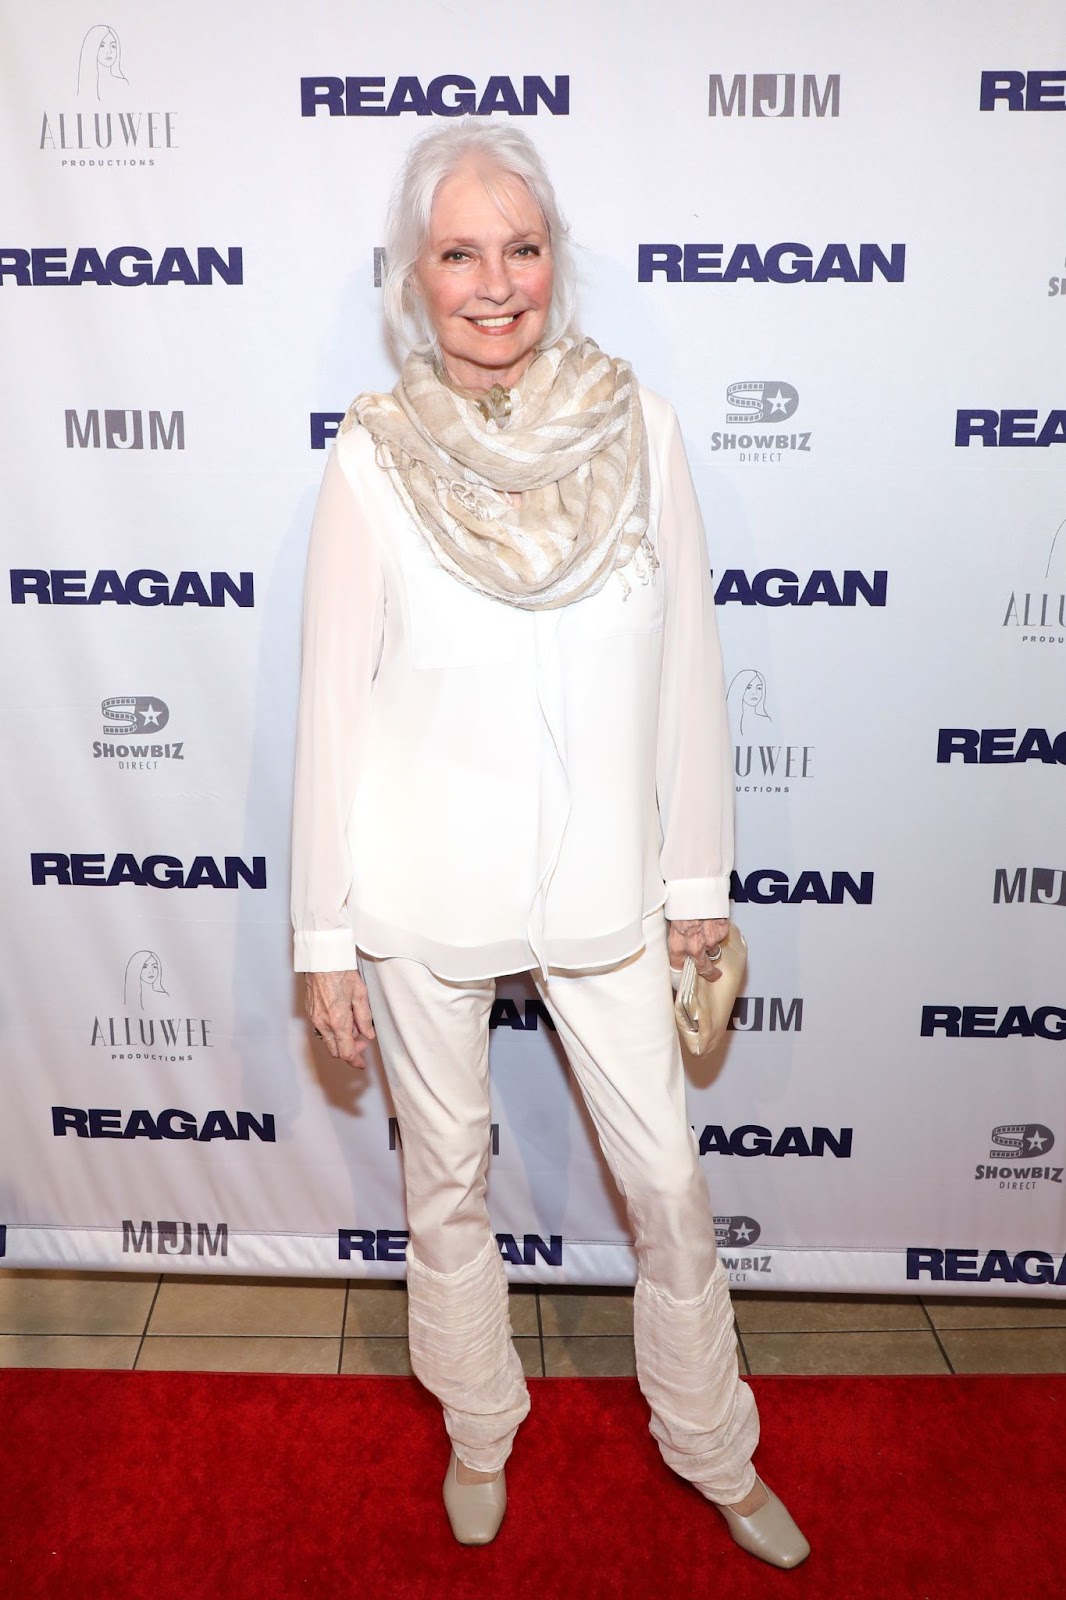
[570,445]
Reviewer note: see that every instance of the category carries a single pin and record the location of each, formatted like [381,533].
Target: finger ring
[715,954]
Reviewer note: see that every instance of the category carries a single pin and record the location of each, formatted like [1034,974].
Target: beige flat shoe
[475,1510]
[768,1533]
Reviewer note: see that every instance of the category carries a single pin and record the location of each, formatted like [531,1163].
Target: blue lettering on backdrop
[994,1022]
[780,263]
[770,886]
[988,747]
[1010,430]
[154,872]
[68,586]
[98,1122]
[505,1014]
[993,1266]
[449,95]
[1024,91]
[389,1244]
[753,1140]
[126,266]
[324,425]
[777,586]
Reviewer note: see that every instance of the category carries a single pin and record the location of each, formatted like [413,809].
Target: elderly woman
[510,540]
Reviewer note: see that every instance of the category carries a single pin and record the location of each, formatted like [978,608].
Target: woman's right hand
[339,1010]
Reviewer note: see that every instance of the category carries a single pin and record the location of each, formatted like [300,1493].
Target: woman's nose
[495,282]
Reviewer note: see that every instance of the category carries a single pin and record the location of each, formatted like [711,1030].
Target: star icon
[742,1234]
[1037,1141]
[150,715]
[778,403]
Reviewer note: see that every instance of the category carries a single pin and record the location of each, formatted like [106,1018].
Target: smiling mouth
[496,322]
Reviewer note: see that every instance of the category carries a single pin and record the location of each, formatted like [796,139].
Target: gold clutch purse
[703,1006]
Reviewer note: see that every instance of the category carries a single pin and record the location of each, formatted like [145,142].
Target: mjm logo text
[174,1238]
[773,94]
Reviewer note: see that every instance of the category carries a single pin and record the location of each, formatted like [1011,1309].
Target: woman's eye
[455,255]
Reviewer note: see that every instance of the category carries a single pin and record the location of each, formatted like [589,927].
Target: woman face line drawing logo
[100,72]
[144,977]
[746,700]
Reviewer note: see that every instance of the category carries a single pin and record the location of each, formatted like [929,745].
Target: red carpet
[155,1486]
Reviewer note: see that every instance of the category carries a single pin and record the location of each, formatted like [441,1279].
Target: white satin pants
[617,1029]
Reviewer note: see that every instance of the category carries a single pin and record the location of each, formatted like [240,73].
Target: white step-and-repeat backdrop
[833,236]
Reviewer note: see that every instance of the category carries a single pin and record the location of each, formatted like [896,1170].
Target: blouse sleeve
[343,628]
[694,765]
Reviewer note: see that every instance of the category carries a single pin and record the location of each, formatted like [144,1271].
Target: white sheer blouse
[485,789]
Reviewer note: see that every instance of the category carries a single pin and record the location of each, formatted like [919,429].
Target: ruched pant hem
[617,1029]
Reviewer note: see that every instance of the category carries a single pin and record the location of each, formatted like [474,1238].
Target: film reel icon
[134,714]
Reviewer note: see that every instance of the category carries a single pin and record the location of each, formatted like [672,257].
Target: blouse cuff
[332,950]
[702,898]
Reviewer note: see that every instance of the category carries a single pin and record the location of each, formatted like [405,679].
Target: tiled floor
[124,1320]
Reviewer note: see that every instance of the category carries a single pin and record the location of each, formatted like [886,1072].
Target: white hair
[431,160]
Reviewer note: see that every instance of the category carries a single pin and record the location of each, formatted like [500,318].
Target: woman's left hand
[695,939]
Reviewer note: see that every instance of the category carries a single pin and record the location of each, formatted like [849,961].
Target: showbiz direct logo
[755,402]
[732,1233]
[1015,1141]
[134,714]
[759,400]
[1020,1142]
[137,717]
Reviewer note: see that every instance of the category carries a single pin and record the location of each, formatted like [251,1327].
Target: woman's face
[108,50]
[150,970]
[485,277]
[754,692]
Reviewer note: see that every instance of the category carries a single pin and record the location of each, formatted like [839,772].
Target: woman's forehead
[478,195]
